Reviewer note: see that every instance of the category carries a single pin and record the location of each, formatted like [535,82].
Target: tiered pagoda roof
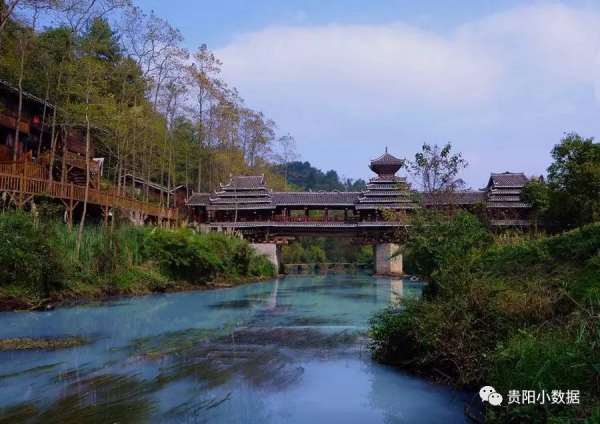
[242,192]
[504,190]
[386,190]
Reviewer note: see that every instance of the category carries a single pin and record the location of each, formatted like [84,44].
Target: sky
[502,81]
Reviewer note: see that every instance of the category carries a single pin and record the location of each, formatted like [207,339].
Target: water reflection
[291,349]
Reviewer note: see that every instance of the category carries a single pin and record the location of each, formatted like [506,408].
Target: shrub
[194,257]
[182,254]
[444,249]
[26,256]
[546,360]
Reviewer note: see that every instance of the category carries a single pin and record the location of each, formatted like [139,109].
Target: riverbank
[41,267]
[110,293]
[517,314]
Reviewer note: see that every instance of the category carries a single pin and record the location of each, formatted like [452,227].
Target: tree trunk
[20,107]
[53,133]
[87,167]
[39,149]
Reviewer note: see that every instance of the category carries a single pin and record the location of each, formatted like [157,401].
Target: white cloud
[525,67]
[361,63]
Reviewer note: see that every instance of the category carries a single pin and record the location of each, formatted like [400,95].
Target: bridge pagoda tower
[389,192]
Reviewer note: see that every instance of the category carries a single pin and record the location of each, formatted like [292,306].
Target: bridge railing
[27,185]
[304,218]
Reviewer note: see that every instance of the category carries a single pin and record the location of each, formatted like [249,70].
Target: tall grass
[38,259]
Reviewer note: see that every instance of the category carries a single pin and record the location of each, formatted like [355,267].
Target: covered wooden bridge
[375,215]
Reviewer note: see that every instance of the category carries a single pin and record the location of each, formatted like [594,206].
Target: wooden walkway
[26,180]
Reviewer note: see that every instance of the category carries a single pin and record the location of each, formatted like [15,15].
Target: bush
[521,316]
[186,255]
[443,250]
[542,360]
[26,256]
[182,254]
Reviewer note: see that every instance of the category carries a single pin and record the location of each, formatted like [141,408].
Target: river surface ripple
[291,350]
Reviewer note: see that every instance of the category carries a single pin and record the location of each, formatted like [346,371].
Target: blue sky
[501,80]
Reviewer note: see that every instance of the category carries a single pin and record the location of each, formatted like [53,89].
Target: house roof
[507,179]
[151,184]
[387,159]
[245,182]
[5,85]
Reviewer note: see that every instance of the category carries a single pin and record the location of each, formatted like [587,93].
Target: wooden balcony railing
[26,169]
[28,185]
[71,159]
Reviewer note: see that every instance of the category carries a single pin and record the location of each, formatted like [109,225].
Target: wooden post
[71,207]
[20,193]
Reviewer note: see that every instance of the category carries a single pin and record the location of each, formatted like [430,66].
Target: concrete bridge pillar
[272,251]
[384,264]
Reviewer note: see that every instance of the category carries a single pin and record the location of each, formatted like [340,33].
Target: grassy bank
[39,263]
[513,313]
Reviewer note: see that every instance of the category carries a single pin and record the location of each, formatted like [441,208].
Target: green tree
[574,176]
[443,249]
[436,169]
[537,194]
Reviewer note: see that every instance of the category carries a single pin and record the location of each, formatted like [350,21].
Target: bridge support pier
[272,251]
[384,265]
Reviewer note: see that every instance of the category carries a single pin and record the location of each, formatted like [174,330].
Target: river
[292,350]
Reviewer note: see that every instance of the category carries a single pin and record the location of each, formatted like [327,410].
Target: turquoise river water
[292,350]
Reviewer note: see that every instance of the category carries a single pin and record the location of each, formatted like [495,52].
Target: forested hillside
[304,176]
[124,78]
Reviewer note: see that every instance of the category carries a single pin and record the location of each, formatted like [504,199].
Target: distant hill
[304,176]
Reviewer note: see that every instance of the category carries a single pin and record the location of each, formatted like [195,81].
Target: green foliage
[444,249]
[523,317]
[437,169]
[574,177]
[194,257]
[37,261]
[26,255]
[321,250]
[391,336]
[303,176]
[559,359]
[575,246]
[537,194]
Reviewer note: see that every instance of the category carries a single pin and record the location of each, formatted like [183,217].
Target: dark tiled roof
[504,190]
[8,87]
[386,191]
[246,182]
[508,179]
[233,201]
[151,184]
[198,199]
[458,198]
[387,159]
[334,198]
